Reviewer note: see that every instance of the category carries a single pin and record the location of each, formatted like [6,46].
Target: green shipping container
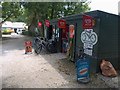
[106,32]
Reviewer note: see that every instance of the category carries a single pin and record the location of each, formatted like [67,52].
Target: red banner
[62,24]
[47,23]
[87,22]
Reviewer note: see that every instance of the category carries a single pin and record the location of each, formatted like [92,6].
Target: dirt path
[38,71]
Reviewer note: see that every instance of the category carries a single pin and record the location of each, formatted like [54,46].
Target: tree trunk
[52,11]
[32,26]
[31,29]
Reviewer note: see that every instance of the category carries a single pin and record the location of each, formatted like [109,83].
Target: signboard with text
[28,47]
[87,22]
[62,23]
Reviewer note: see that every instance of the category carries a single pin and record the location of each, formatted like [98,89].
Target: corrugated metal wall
[106,28]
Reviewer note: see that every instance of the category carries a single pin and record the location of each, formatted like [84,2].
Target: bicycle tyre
[51,48]
[38,49]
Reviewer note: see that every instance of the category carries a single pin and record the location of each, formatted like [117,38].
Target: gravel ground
[38,71]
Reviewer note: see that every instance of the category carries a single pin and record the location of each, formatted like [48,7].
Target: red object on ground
[28,43]
[62,23]
[28,46]
[87,22]
[108,69]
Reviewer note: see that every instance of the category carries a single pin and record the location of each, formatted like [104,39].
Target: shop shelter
[99,42]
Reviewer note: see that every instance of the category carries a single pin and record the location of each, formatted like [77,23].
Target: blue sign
[82,69]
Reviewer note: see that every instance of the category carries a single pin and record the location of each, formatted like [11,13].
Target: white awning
[9,24]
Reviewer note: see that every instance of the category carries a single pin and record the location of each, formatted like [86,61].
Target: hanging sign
[62,24]
[39,24]
[47,23]
[71,30]
[87,22]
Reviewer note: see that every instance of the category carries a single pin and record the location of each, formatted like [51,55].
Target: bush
[28,33]
[25,33]
[31,33]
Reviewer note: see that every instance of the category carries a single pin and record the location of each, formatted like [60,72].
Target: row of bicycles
[40,43]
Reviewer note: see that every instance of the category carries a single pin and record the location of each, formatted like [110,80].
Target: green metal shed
[106,30]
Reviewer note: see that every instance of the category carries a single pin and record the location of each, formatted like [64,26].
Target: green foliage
[39,11]
[25,33]
[33,12]
[75,8]
[26,11]
[10,10]
[49,10]
[28,33]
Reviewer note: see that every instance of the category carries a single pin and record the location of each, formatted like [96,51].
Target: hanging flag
[47,23]
[39,24]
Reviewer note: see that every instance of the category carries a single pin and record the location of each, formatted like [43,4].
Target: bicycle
[48,45]
[37,45]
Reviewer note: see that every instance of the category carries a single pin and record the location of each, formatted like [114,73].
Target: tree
[33,12]
[39,11]
[75,8]
[10,10]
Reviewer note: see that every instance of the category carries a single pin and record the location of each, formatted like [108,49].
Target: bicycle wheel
[35,41]
[38,49]
[51,48]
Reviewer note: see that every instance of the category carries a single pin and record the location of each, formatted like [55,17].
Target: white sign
[88,38]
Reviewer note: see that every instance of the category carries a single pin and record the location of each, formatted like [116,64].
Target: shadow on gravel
[67,70]
[7,38]
[9,86]
[58,61]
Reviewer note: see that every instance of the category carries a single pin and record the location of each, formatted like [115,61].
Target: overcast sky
[110,6]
